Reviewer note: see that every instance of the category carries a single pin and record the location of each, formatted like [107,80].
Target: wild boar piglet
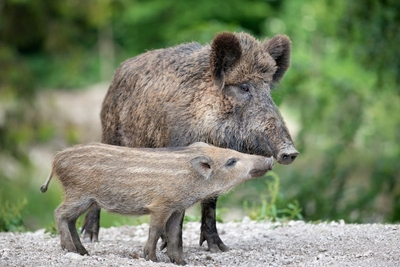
[162,182]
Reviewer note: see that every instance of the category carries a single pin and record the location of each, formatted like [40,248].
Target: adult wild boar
[162,182]
[219,94]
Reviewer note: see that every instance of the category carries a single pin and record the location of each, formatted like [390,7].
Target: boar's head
[238,111]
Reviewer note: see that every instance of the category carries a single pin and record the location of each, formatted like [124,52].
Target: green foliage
[267,210]
[108,220]
[191,218]
[378,49]
[11,216]
[51,229]
[348,131]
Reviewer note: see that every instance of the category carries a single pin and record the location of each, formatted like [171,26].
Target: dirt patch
[252,244]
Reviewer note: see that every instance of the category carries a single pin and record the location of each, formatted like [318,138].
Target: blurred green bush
[10,216]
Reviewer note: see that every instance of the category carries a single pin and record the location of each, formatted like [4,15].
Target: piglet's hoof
[179,261]
[150,256]
[82,251]
[182,263]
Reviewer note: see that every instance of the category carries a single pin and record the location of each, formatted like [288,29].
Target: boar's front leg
[173,232]
[209,226]
[91,225]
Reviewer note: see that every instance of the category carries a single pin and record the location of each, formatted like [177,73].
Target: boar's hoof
[88,237]
[215,244]
[91,225]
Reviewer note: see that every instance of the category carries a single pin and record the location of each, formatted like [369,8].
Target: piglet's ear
[279,49]
[225,53]
[202,165]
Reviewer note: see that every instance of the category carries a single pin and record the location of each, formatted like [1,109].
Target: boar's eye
[231,162]
[244,87]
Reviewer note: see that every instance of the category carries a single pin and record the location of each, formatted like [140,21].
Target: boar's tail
[46,184]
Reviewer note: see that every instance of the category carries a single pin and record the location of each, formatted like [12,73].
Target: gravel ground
[252,244]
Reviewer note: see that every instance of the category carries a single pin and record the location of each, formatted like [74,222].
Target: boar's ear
[279,49]
[202,165]
[225,52]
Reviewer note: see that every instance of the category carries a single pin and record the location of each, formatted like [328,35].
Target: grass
[268,209]
[10,216]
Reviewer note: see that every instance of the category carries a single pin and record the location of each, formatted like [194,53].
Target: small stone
[40,231]
[73,256]
[365,254]
[246,219]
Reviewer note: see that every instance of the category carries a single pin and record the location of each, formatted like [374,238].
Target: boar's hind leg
[157,223]
[91,225]
[173,231]
[209,227]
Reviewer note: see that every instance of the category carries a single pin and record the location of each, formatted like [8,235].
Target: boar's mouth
[258,172]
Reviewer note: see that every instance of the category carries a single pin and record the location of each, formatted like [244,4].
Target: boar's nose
[287,156]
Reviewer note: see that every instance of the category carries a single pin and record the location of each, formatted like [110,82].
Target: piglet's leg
[66,216]
[91,225]
[173,231]
[63,229]
[158,220]
[164,238]
[75,238]
[209,227]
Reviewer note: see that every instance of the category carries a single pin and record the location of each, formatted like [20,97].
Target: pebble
[291,244]
[73,256]
[246,219]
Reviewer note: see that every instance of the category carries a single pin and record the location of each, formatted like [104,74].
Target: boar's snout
[287,156]
[260,169]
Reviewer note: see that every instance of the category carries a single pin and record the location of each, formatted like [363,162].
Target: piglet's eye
[244,87]
[231,162]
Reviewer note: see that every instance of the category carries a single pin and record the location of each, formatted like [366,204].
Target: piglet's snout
[262,166]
